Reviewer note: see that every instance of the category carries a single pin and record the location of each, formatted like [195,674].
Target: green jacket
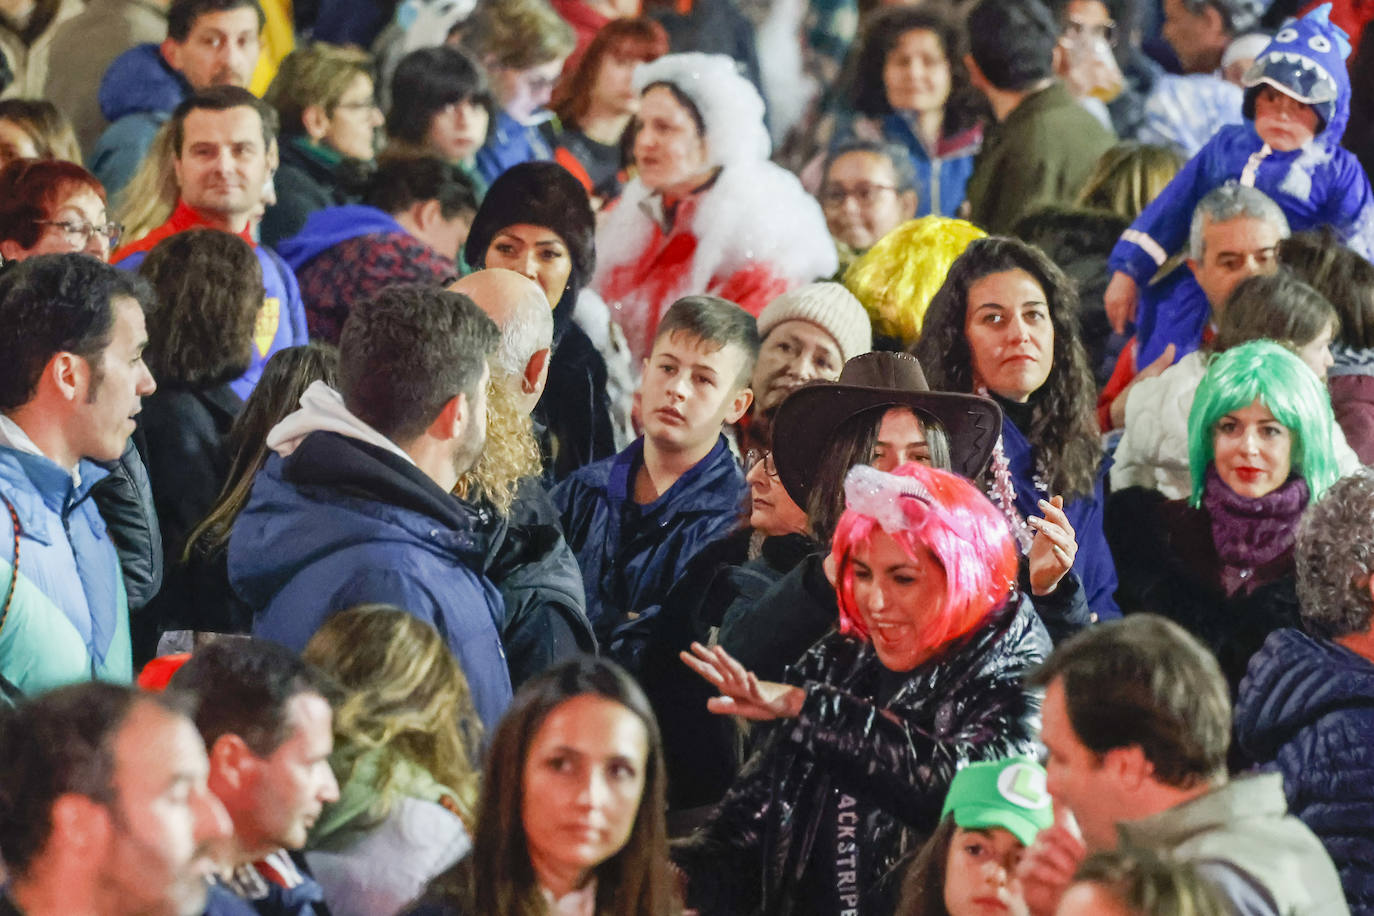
[1041,154]
[1244,828]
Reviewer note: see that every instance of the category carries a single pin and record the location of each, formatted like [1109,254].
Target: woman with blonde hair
[404,742]
[35,129]
[1127,177]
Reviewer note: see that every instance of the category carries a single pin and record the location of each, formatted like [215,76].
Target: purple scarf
[1249,533]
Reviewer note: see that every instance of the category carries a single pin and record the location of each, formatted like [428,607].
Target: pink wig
[918,506]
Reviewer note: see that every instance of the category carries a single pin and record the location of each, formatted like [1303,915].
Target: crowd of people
[637,458]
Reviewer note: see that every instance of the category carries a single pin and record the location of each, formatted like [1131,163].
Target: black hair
[243,687]
[61,743]
[408,351]
[222,98]
[1063,427]
[58,303]
[715,321]
[182,14]
[425,81]
[400,182]
[1012,42]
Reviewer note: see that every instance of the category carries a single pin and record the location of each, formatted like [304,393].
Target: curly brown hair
[209,292]
[1063,429]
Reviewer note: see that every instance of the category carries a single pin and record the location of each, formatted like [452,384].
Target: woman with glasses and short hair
[51,206]
[327,103]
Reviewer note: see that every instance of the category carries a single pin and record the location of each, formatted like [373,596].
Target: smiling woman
[1260,434]
[924,673]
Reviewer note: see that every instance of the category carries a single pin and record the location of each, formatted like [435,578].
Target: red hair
[637,38]
[32,189]
[965,532]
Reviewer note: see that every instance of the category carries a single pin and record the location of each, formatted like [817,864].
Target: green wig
[1284,384]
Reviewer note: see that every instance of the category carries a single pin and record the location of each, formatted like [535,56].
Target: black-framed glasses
[833,196]
[754,456]
[80,232]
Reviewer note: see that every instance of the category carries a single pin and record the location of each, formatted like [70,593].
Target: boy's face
[691,388]
[1282,121]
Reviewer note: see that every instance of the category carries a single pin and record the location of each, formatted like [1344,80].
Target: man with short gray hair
[1235,234]
[1306,706]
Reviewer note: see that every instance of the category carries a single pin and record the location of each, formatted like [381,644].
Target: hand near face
[1047,868]
[742,694]
[1054,548]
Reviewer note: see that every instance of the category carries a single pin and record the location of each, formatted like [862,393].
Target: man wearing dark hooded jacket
[355,505]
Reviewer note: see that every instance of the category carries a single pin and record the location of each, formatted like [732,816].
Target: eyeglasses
[1080,30]
[756,455]
[81,233]
[834,196]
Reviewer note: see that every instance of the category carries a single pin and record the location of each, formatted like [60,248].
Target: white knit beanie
[828,306]
[729,105]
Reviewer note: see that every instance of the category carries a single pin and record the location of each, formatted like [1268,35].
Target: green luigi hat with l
[1008,793]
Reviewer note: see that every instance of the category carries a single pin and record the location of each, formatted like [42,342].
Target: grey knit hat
[830,307]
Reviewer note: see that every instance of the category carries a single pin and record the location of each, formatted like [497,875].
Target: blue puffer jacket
[630,554]
[137,94]
[69,618]
[1306,708]
[341,522]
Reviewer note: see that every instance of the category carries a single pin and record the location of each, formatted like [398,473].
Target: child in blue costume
[1297,103]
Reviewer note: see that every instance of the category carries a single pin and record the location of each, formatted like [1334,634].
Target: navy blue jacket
[631,554]
[1306,707]
[341,522]
[1093,563]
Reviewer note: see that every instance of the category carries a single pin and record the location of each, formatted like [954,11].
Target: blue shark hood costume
[1306,60]
[1319,184]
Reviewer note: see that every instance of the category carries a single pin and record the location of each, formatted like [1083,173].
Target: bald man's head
[521,310]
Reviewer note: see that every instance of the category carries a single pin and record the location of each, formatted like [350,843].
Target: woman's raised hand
[742,694]
[1055,546]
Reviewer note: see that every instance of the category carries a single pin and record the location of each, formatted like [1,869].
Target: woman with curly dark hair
[1005,324]
[910,88]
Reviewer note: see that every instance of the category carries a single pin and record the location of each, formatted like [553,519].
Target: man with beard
[267,721]
[104,806]
[355,505]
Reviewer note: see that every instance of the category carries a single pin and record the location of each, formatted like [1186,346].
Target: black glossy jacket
[969,704]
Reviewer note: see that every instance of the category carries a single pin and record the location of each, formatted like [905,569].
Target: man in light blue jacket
[71,378]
